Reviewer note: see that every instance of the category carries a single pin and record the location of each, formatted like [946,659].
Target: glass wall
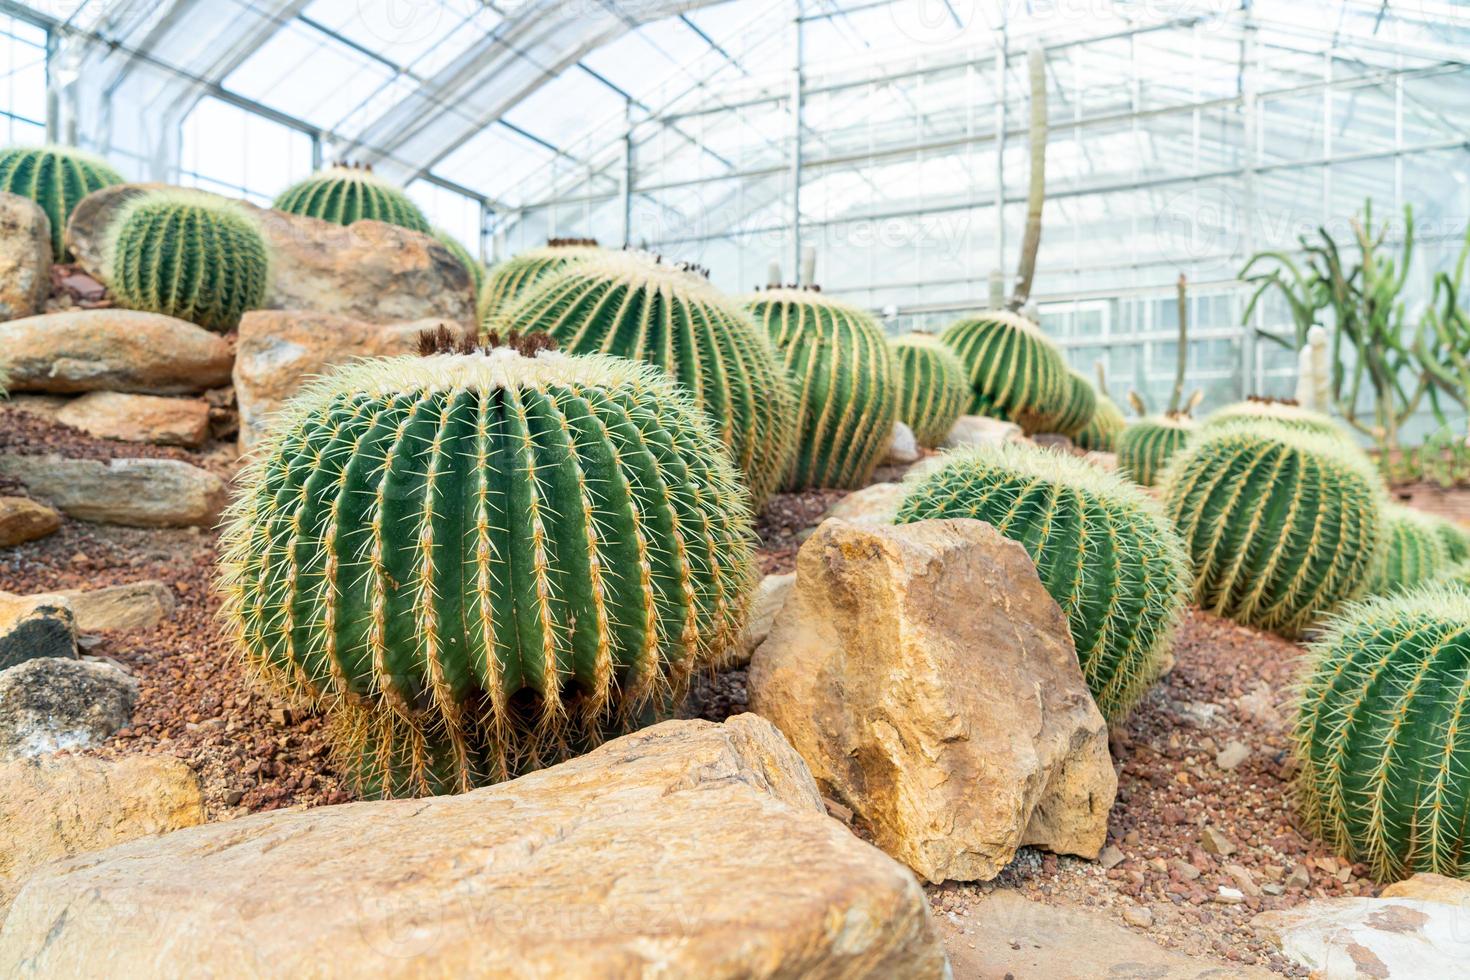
[22,82]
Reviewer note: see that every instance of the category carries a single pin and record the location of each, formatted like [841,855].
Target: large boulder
[34,626]
[687,850]
[130,606]
[139,418]
[112,350]
[131,492]
[1372,938]
[57,806]
[51,703]
[1425,887]
[279,351]
[25,257]
[929,681]
[770,596]
[23,519]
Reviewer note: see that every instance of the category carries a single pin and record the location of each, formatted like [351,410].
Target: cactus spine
[1412,551]
[1101,434]
[1146,446]
[479,563]
[1103,548]
[1383,734]
[843,372]
[1281,526]
[343,195]
[471,264]
[189,255]
[512,279]
[56,178]
[931,385]
[1015,372]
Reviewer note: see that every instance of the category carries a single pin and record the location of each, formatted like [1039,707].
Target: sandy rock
[23,519]
[687,850]
[132,492]
[139,418]
[52,703]
[279,351]
[770,596]
[1371,938]
[58,806]
[112,350]
[872,505]
[903,448]
[928,679]
[132,606]
[1426,887]
[25,257]
[33,626]
[981,430]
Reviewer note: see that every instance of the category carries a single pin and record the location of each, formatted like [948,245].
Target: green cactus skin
[1146,446]
[932,389]
[56,178]
[1458,575]
[1103,549]
[343,195]
[470,263]
[1412,551]
[632,305]
[1101,434]
[1080,407]
[510,281]
[1015,372]
[481,563]
[1281,526]
[845,380]
[189,255]
[1383,734]
[1283,413]
[1454,538]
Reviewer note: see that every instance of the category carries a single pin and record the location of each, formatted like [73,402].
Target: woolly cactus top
[644,270]
[1286,413]
[795,295]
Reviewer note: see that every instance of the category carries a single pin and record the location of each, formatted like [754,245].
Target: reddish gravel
[781,524]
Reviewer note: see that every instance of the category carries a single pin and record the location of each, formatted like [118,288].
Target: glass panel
[240,153]
[22,82]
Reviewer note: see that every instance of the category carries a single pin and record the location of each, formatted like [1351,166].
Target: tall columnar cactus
[1078,410]
[343,195]
[471,264]
[1015,372]
[1284,413]
[479,563]
[1146,446]
[1412,551]
[845,380]
[932,390]
[1281,525]
[1453,537]
[1101,434]
[509,281]
[189,255]
[1102,546]
[632,305]
[1383,734]
[56,178]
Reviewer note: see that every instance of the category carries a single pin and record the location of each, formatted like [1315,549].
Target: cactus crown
[1015,371]
[932,391]
[1102,547]
[1146,446]
[56,178]
[1383,734]
[342,195]
[1413,551]
[1284,412]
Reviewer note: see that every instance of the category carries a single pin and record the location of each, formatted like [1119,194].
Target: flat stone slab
[131,492]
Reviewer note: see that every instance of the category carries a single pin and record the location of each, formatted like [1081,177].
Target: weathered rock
[51,703]
[112,350]
[872,505]
[1371,938]
[23,519]
[903,448]
[58,806]
[132,492]
[981,430]
[139,418]
[770,596]
[280,351]
[1426,887]
[689,849]
[33,626]
[929,680]
[25,257]
[132,606]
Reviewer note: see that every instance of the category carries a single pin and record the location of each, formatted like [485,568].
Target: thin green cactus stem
[510,281]
[1101,434]
[1015,371]
[1146,446]
[56,178]
[932,387]
[1412,553]
[343,195]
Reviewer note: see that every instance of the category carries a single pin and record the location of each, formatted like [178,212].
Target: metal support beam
[797,96]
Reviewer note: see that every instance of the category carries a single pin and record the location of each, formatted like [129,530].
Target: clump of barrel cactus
[345,194]
[189,255]
[843,374]
[1284,413]
[932,390]
[477,563]
[1412,551]
[1015,372]
[635,306]
[1078,410]
[1281,525]
[1103,549]
[471,264]
[509,281]
[1146,446]
[56,178]
[1101,434]
[1383,734]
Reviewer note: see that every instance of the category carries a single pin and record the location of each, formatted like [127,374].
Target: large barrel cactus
[1412,551]
[1103,549]
[1284,413]
[56,178]
[1015,372]
[478,563]
[844,376]
[1146,446]
[471,264]
[189,255]
[343,195]
[1078,409]
[632,305]
[1101,434]
[932,390]
[509,281]
[1281,525]
[1383,734]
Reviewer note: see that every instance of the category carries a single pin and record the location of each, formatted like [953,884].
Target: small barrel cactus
[1146,446]
[1281,525]
[471,264]
[1453,537]
[1383,734]
[635,306]
[1101,434]
[189,255]
[1284,413]
[56,178]
[1412,551]
[1015,372]
[1077,411]
[844,376]
[1458,575]
[481,562]
[509,281]
[1103,549]
[343,195]
[932,390]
